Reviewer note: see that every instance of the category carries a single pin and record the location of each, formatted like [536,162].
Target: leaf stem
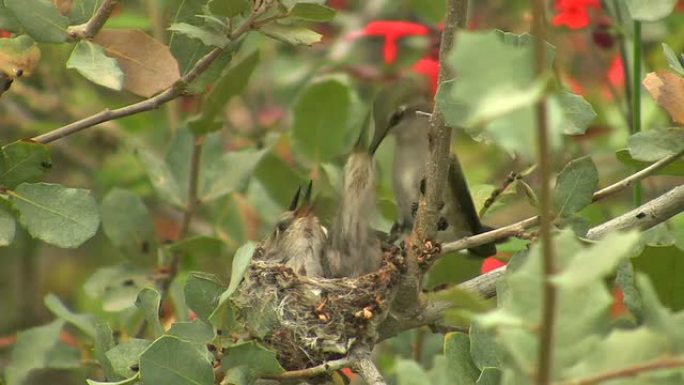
[546,335]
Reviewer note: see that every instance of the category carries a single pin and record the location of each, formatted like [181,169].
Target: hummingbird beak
[295,199]
[306,206]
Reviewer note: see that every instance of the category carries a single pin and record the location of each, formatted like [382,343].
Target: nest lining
[308,320]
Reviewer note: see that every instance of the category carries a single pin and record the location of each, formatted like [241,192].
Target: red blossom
[574,14]
[616,73]
[429,68]
[490,264]
[393,31]
[4,34]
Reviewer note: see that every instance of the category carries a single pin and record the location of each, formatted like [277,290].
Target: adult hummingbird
[405,109]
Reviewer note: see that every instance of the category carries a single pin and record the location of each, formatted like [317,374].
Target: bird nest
[308,320]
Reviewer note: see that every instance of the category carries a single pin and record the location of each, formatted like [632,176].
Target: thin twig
[519,227]
[89,29]
[315,371]
[631,371]
[174,91]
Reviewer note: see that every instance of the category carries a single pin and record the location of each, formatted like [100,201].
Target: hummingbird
[298,239]
[354,247]
[404,108]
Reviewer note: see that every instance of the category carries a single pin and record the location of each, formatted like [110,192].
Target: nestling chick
[298,239]
[354,249]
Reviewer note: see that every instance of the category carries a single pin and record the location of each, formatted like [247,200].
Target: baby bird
[298,239]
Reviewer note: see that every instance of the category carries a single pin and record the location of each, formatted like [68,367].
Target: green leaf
[229,173]
[32,350]
[23,161]
[117,286]
[17,53]
[89,60]
[82,10]
[261,361]
[673,60]
[126,354]
[675,168]
[656,144]
[291,34]
[163,180]
[7,20]
[575,186]
[597,261]
[126,381]
[187,51]
[127,223]
[650,10]
[172,361]
[228,8]
[208,37]
[196,331]
[464,305]
[665,268]
[40,19]
[484,350]
[462,370]
[490,376]
[84,322]
[321,120]
[7,226]
[312,12]
[202,292]
[148,302]
[278,179]
[578,112]
[241,261]
[239,375]
[232,83]
[104,341]
[432,10]
[410,373]
[62,216]
[200,246]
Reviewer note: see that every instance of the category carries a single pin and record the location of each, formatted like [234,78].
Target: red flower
[429,68]
[490,264]
[4,34]
[616,73]
[393,31]
[574,14]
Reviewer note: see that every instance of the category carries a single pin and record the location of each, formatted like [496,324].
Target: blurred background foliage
[297,119]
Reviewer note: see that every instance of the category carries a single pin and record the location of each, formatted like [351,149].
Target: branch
[315,371]
[174,91]
[439,143]
[518,227]
[632,371]
[89,29]
[367,370]
[646,216]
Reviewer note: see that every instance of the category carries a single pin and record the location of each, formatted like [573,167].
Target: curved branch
[369,372]
[174,91]
[315,371]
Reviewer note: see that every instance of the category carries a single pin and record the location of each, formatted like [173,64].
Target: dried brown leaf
[19,56]
[148,65]
[667,89]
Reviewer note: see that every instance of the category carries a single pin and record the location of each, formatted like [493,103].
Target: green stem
[636,100]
